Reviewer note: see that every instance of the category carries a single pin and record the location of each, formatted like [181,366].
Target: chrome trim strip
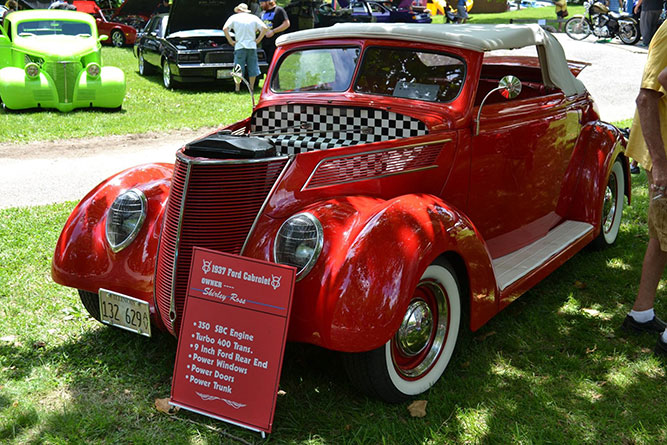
[402,147]
[197,161]
[157,259]
[172,297]
[290,160]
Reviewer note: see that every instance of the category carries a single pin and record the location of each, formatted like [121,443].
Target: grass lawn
[554,367]
[149,107]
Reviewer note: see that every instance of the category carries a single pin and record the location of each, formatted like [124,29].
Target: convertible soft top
[480,38]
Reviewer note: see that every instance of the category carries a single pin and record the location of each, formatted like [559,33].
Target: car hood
[186,15]
[143,8]
[66,47]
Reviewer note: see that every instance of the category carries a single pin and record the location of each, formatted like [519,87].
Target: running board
[516,265]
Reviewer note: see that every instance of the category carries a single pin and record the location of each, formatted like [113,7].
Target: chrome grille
[64,75]
[219,57]
[212,205]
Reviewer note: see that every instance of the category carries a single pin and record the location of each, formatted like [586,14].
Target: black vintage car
[188,44]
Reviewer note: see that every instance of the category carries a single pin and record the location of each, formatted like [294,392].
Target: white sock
[642,316]
[664,336]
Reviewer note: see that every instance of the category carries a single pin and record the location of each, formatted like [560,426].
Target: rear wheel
[578,28]
[628,32]
[91,302]
[418,353]
[117,38]
[612,207]
[144,68]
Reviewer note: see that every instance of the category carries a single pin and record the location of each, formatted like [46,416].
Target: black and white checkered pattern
[340,126]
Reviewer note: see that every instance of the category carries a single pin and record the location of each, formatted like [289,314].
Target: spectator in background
[647,145]
[276,20]
[561,12]
[461,12]
[162,8]
[648,20]
[62,4]
[245,41]
[630,6]
[255,9]
[614,5]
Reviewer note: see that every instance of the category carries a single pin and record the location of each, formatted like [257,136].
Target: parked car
[370,11]
[119,34]
[53,59]
[188,45]
[417,186]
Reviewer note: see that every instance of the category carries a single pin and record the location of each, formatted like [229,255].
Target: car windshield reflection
[53,27]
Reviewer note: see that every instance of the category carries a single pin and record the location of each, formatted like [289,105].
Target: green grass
[554,367]
[523,14]
[147,107]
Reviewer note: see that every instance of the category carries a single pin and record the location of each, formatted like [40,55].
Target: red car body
[435,199]
[120,34]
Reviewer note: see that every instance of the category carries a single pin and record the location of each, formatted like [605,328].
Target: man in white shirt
[245,41]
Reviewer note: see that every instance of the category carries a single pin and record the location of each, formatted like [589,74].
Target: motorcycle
[603,24]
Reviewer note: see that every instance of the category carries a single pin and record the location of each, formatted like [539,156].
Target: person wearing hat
[275,18]
[245,27]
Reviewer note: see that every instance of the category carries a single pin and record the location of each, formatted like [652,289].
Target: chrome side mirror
[509,87]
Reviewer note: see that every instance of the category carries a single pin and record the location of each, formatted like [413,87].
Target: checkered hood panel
[339,126]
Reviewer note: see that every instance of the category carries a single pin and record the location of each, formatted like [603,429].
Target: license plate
[125,312]
[223,74]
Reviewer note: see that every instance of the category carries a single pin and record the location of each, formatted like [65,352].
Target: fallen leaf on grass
[418,408]
[38,345]
[592,312]
[485,336]
[580,285]
[588,350]
[163,406]
[281,392]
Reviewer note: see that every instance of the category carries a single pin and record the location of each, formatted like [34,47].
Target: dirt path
[54,171]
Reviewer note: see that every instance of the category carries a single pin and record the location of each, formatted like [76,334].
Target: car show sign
[232,338]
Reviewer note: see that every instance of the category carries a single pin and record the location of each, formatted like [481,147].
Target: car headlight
[125,218]
[299,243]
[32,70]
[93,69]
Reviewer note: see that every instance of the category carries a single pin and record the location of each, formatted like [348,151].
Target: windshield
[53,27]
[320,69]
[404,72]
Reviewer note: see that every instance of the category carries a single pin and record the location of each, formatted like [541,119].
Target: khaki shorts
[657,218]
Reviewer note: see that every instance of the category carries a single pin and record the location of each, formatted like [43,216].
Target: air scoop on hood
[223,145]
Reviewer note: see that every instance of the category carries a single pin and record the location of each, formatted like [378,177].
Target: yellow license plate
[125,312]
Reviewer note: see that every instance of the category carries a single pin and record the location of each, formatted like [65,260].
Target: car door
[519,161]
[151,40]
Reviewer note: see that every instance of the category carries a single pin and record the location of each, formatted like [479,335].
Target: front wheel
[612,207]
[578,28]
[91,302]
[418,353]
[167,77]
[628,32]
[117,38]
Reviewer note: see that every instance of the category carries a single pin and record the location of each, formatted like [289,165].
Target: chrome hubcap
[420,339]
[117,39]
[166,74]
[609,206]
[415,331]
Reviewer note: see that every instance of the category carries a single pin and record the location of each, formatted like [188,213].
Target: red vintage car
[418,183]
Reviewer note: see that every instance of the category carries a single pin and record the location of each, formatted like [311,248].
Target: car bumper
[195,72]
[19,92]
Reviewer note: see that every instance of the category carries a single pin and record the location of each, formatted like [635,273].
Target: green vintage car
[52,59]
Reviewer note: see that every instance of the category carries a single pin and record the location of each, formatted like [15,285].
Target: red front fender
[83,258]
[374,253]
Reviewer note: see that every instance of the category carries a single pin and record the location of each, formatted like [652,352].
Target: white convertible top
[479,38]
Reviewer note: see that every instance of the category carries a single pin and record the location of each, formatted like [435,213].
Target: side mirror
[509,87]
[102,38]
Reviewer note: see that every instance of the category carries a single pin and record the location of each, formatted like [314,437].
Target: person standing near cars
[648,19]
[647,145]
[245,26]
[561,12]
[275,18]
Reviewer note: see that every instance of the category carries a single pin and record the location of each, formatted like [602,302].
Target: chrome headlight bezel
[31,70]
[93,70]
[317,243]
[140,198]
